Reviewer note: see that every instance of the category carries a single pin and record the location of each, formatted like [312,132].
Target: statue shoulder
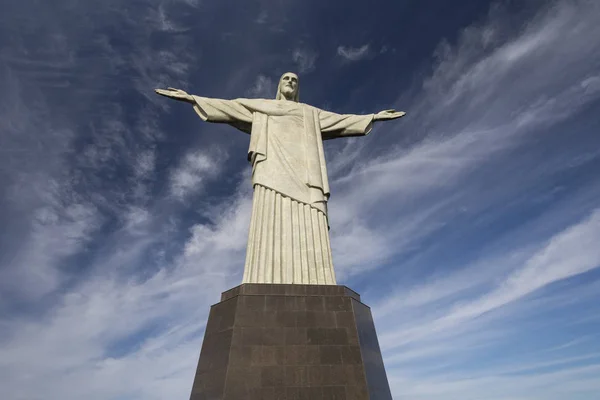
[254,102]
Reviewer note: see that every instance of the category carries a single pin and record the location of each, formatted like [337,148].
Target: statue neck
[288,97]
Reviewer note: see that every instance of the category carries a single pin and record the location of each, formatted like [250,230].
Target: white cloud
[567,254]
[574,383]
[487,93]
[263,87]
[491,93]
[144,165]
[193,171]
[84,246]
[55,233]
[83,346]
[304,59]
[354,53]
[469,119]
[262,17]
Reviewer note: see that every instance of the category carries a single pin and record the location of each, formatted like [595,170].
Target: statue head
[288,87]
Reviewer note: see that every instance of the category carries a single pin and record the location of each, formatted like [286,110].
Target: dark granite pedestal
[290,342]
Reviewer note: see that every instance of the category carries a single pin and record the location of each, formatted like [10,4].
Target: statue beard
[280,95]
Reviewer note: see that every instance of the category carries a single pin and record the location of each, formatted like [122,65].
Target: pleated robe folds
[288,240]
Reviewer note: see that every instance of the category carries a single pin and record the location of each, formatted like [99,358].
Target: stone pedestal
[290,342]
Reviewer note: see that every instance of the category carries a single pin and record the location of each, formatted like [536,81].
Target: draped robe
[288,240]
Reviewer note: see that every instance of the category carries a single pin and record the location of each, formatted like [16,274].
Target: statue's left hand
[176,94]
[388,115]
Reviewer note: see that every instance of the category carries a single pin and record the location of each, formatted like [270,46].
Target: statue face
[288,85]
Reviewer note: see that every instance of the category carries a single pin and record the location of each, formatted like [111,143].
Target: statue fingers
[397,114]
[163,92]
[170,94]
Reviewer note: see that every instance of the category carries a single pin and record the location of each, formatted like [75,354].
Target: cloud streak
[193,170]
[452,223]
[305,60]
[354,53]
[489,97]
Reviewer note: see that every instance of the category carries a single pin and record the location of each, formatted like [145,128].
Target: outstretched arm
[231,112]
[347,125]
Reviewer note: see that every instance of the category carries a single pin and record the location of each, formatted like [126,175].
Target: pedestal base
[290,342]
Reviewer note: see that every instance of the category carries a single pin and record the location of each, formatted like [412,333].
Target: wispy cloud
[432,217]
[96,351]
[304,59]
[262,17]
[465,119]
[264,87]
[566,254]
[354,53]
[193,170]
[490,97]
[64,134]
[55,233]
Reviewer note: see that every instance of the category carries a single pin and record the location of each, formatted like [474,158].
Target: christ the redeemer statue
[288,240]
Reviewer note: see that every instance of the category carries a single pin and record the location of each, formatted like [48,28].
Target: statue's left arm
[347,125]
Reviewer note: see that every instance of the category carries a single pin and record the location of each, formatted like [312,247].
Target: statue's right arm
[214,110]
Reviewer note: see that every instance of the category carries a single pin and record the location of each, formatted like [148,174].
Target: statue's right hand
[176,94]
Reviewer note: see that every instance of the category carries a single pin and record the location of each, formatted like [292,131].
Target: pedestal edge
[289,290]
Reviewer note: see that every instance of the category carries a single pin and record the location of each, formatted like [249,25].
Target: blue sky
[471,226]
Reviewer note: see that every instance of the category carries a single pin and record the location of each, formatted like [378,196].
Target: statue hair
[280,96]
